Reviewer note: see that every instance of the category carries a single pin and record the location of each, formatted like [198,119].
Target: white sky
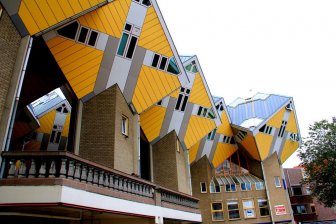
[285,47]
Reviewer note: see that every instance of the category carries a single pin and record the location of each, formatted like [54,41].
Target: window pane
[227,187]
[249,213]
[262,203]
[203,187]
[233,187]
[184,103]
[178,104]
[277,181]
[82,34]
[128,27]
[217,216]
[93,38]
[163,63]
[155,60]
[232,205]
[52,137]
[264,211]
[199,110]
[69,31]
[194,70]
[123,43]
[146,2]
[131,47]
[248,204]
[234,214]
[188,67]
[217,206]
[58,137]
[172,67]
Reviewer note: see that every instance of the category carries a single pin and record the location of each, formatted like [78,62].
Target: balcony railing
[65,165]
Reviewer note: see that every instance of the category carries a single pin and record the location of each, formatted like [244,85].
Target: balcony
[77,182]
[305,217]
[301,199]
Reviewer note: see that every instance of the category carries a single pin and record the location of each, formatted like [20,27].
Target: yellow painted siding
[199,94]
[276,120]
[225,128]
[153,36]
[38,15]
[193,152]
[223,152]
[291,124]
[151,122]
[175,94]
[264,142]
[47,122]
[109,19]
[289,149]
[152,86]
[198,127]
[66,126]
[79,63]
[250,145]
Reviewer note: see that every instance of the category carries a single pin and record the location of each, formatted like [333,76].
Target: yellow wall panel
[66,126]
[291,124]
[276,120]
[152,81]
[250,145]
[198,93]
[79,63]
[198,127]
[38,15]
[264,142]
[175,94]
[193,152]
[152,36]
[47,122]
[151,122]
[225,127]
[222,153]
[289,149]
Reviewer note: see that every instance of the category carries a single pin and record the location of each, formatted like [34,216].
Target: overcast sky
[285,47]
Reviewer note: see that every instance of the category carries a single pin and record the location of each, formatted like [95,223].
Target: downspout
[267,192]
[17,98]
[139,144]
[20,70]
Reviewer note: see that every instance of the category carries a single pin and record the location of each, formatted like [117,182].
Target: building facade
[306,208]
[101,121]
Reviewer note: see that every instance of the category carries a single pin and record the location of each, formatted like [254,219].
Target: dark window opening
[131,47]
[155,60]
[203,187]
[297,191]
[146,2]
[178,102]
[145,168]
[185,100]
[262,129]
[93,38]
[128,27]
[122,44]
[83,34]
[69,31]
[172,67]
[163,63]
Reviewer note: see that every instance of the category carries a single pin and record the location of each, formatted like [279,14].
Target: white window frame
[275,181]
[124,125]
[131,33]
[249,208]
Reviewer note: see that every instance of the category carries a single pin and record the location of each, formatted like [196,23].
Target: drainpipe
[267,193]
[26,44]
[139,144]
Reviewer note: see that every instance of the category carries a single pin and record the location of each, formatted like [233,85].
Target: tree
[318,156]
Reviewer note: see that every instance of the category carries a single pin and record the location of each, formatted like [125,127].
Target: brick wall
[277,195]
[101,139]
[169,166]
[9,45]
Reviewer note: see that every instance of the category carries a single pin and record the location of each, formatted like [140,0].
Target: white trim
[67,195]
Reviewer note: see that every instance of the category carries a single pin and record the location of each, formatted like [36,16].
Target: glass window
[122,44]
[188,67]
[146,2]
[249,211]
[93,38]
[211,135]
[233,210]
[277,181]
[217,211]
[263,207]
[172,67]
[260,186]
[203,187]
[163,63]
[182,99]
[299,209]
[83,34]
[131,47]
[297,191]
[124,125]
[69,31]
[214,187]
[155,61]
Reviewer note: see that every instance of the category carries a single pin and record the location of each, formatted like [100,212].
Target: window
[249,211]
[220,106]
[297,191]
[245,186]
[55,136]
[144,2]
[289,106]
[192,67]
[263,207]
[0,11]
[124,125]
[211,135]
[241,135]
[233,210]
[282,129]
[128,41]
[79,33]
[62,109]
[260,185]
[203,187]
[164,64]
[182,99]
[277,182]
[214,187]
[230,188]
[299,209]
[266,129]
[217,211]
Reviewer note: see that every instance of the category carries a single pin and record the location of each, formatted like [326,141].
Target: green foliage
[318,156]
